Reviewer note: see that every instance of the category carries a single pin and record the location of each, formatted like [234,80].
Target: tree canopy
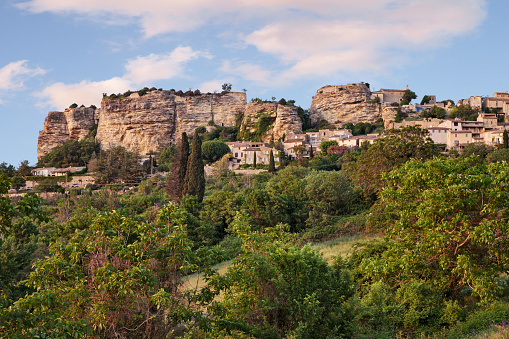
[451,226]
[396,148]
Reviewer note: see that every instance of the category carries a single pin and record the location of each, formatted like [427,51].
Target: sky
[59,52]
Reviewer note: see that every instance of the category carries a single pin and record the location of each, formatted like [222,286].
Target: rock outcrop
[269,121]
[152,122]
[343,104]
[389,114]
[73,123]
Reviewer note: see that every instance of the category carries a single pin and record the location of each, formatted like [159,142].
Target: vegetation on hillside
[110,263]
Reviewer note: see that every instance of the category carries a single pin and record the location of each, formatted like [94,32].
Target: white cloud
[308,38]
[13,75]
[359,42]
[62,95]
[161,66]
[140,72]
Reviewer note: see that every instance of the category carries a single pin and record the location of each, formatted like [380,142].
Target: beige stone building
[388,95]
[244,152]
[438,134]
[458,139]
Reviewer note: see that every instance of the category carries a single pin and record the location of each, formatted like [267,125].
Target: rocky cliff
[73,123]
[142,124]
[269,121]
[152,122]
[343,104]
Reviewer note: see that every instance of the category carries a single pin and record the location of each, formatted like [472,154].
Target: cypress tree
[272,166]
[254,159]
[505,139]
[195,176]
[182,169]
[175,179]
[311,155]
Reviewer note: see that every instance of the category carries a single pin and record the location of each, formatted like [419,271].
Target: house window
[248,152]
[236,155]
[455,135]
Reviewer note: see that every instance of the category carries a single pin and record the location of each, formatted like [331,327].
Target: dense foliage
[136,262]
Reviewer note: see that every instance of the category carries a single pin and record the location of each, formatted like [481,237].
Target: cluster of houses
[296,146]
[457,133]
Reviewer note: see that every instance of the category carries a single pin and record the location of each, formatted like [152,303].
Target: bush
[214,150]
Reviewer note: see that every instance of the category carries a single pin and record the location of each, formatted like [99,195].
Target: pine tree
[272,166]
[195,176]
[505,139]
[254,160]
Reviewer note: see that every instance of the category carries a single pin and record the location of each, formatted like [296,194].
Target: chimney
[406,86]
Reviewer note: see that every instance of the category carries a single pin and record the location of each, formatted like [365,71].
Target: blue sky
[57,52]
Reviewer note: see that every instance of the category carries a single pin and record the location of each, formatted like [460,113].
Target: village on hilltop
[161,116]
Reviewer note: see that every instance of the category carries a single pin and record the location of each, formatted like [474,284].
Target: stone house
[438,134]
[388,95]
[458,139]
[244,152]
[43,172]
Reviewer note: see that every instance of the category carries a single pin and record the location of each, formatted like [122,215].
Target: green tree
[408,95]
[434,112]
[116,278]
[117,164]
[175,180]
[477,148]
[505,138]
[464,112]
[194,183]
[24,169]
[275,289]
[254,160]
[324,145]
[393,150]
[272,165]
[498,156]
[214,150]
[165,159]
[450,226]
[7,169]
[226,87]
[425,100]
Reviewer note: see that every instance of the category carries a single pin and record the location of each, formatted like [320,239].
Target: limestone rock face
[73,123]
[221,109]
[55,133]
[343,104]
[287,122]
[152,122]
[281,120]
[79,120]
[388,114]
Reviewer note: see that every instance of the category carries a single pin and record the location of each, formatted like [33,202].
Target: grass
[196,280]
[328,249]
[341,246]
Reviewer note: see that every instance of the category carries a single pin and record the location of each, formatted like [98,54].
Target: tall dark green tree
[176,179]
[254,160]
[184,157]
[194,183]
[272,166]
[505,139]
